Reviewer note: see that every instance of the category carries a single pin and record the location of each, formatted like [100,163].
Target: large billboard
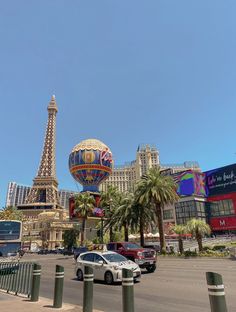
[96,212]
[190,183]
[221,180]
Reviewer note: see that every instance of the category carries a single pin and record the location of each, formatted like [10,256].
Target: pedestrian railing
[16,277]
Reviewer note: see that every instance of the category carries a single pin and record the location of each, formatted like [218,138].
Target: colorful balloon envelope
[90,163]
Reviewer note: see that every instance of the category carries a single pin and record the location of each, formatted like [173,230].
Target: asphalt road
[177,285]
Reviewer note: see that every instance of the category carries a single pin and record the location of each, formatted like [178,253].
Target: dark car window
[114,257]
[119,246]
[131,246]
[88,257]
[98,258]
[111,247]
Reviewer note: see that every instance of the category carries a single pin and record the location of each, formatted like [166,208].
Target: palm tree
[109,202]
[143,215]
[84,204]
[11,213]
[180,229]
[123,215]
[70,237]
[157,190]
[198,228]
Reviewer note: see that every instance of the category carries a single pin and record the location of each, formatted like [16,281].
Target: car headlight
[116,267]
[139,253]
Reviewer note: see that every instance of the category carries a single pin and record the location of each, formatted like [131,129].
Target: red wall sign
[223,223]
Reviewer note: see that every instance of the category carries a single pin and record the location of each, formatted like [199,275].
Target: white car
[107,266]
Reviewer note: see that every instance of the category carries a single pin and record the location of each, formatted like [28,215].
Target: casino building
[209,196]
[220,185]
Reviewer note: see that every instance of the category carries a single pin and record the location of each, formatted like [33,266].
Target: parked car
[43,252]
[107,266]
[145,257]
[78,251]
[67,252]
[155,246]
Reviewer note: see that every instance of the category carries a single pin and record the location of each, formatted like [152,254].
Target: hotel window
[222,208]
[168,214]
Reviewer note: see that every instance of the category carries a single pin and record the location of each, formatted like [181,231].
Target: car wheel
[108,278]
[80,276]
[151,268]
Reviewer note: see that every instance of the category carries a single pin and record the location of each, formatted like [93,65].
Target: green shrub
[219,247]
[205,248]
[213,253]
[96,240]
[189,253]
[163,252]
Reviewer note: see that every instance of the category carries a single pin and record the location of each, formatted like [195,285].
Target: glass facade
[222,208]
[168,214]
[188,210]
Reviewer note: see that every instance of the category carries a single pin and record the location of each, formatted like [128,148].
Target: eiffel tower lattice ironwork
[45,186]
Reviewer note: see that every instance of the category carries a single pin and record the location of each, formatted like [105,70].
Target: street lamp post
[101,233]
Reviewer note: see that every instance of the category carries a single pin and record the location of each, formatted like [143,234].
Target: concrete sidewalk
[10,303]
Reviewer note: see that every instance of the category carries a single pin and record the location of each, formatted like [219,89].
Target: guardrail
[16,277]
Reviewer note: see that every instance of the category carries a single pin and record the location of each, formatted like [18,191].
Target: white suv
[107,266]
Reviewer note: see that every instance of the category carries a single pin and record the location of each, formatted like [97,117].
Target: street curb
[24,304]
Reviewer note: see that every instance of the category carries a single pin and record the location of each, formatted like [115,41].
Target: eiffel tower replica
[43,195]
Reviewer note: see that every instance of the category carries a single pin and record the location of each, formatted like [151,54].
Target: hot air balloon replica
[90,163]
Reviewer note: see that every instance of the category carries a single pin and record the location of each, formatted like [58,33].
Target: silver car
[107,266]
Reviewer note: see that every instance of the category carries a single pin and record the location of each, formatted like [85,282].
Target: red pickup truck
[144,257]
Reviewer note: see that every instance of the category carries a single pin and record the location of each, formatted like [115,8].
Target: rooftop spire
[52,104]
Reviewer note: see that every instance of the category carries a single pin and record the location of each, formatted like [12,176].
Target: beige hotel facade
[126,176]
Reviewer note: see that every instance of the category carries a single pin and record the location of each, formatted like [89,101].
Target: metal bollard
[127,290]
[216,292]
[36,275]
[88,289]
[58,289]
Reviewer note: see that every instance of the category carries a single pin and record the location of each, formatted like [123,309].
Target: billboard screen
[190,183]
[96,212]
[221,180]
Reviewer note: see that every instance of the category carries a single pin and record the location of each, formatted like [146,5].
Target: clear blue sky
[125,72]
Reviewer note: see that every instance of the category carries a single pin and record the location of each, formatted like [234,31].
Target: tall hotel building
[125,177]
[16,195]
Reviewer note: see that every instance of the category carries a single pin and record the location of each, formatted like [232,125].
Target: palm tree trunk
[141,231]
[83,232]
[111,233]
[126,230]
[181,245]
[159,214]
[199,241]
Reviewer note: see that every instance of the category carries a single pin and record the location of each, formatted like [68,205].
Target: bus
[10,237]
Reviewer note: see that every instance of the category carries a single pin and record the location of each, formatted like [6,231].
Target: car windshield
[131,246]
[114,257]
